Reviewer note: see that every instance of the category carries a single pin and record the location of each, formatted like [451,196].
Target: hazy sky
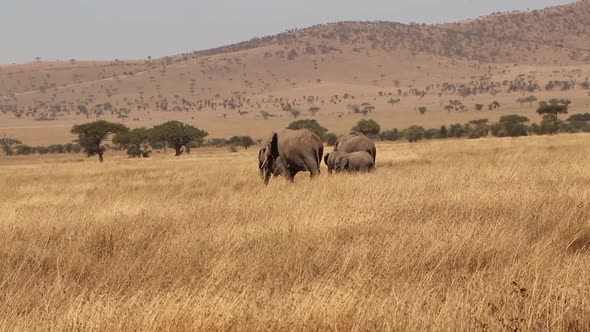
[130,29]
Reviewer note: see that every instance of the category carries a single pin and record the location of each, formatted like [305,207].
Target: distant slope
[521,37]
[391,68]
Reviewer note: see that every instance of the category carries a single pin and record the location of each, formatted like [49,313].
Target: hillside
[346,70]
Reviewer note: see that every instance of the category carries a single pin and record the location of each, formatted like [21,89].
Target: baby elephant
[360,161]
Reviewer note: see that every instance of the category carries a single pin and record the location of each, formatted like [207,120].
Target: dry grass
[452,235]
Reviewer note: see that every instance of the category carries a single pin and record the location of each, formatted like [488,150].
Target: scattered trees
[91,136]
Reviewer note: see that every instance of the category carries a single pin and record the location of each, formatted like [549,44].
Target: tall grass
[452,235]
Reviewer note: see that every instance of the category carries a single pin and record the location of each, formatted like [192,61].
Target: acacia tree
[91,136]
[369,128]
[135,141]
[551,109]
[178,135]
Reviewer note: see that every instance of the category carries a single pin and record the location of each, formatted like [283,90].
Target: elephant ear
[274,145]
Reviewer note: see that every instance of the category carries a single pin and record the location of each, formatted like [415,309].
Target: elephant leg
[312,165]
[291,175]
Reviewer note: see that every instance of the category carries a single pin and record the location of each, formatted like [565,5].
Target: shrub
[414,133]
[310,124]
[390,135]
[24,150]
[369,128]
[457,130]
[431,133]
[243,141]
[510,125]
[330,139]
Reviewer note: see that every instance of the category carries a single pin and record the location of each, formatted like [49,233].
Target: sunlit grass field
[449,235]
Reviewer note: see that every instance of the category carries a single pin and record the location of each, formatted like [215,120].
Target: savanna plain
[489,234]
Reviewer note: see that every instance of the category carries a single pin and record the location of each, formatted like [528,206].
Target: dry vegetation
[448,235]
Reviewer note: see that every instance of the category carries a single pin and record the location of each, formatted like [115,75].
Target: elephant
[290,152]
[330,160]
[356,143]
[360,161]
[277,169]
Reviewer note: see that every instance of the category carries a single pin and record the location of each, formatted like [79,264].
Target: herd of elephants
[288,152]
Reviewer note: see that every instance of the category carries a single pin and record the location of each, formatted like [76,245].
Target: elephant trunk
[266,170]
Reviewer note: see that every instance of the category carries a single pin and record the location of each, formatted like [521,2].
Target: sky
[136,29]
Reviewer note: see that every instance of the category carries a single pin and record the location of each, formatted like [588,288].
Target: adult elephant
[291,152]
[360,161]
[356,143]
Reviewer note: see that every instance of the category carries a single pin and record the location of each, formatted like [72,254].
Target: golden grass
[449,235]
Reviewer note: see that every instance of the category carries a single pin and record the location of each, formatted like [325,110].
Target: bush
[431,133]
[135,151]
[56,148]
[443,133]
[457,130]
[76,148]
[310,124]
[216,142]
[330,139]
[414,134]
[477,128]
[510,126]
[243,141]
[390,135]
[24,150]
[369,128]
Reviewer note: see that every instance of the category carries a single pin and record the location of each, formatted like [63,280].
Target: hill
[347,70]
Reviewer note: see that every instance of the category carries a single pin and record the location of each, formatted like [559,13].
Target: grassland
[449,235]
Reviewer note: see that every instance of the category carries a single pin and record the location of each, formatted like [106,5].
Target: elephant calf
[330,160]
[354,162]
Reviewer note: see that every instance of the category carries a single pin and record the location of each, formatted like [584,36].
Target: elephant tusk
[264,163]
